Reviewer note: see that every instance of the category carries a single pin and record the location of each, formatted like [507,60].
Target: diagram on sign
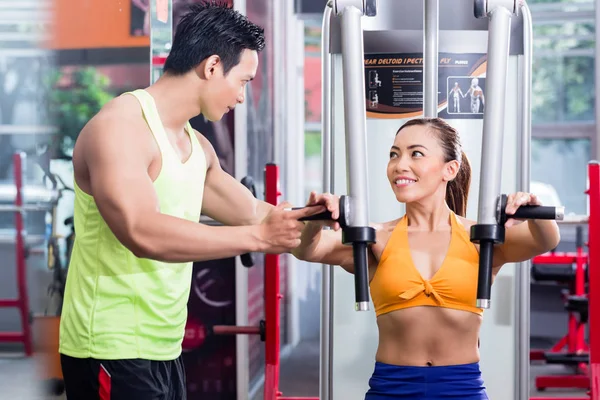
[394,85]
[465,101]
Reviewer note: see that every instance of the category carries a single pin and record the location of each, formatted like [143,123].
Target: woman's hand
[516,200]
[331,202]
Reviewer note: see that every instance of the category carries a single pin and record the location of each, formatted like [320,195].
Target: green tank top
[118,306]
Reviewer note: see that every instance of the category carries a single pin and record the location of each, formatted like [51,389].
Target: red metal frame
[594,279]
[574,340]
[22,300]
[591,373]
[273,297]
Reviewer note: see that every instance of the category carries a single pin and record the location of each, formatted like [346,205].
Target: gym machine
[578,353]
[269,329]
[21,302]
[489,229]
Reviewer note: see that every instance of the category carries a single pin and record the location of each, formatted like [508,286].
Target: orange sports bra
[397,283]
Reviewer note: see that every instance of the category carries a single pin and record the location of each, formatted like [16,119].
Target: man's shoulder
[121,108]
[120,113]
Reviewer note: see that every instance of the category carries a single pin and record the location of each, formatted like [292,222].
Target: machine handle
[324,216]
[579,241]
[361,275]
[247,259]
[539,212]
[343,219]
[484,280]
[529,212]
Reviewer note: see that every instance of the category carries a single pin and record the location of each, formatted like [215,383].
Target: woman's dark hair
[212,28]
[457,190]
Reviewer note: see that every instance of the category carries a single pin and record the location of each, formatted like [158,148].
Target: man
[142,177]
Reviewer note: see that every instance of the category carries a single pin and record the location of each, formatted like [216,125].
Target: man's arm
[225,199]
[127,201]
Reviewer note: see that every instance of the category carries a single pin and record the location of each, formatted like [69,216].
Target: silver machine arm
[489,229]
[356,230]
[487,232]
[431,33]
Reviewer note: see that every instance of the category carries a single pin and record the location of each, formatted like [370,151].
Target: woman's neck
[428,214]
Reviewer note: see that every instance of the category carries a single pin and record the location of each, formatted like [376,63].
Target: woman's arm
[325,246]
[528,239]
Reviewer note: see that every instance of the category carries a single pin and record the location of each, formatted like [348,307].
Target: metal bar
[25,129]
[493,122]
[24,208]
[355,115]
[593,271]
[356,144]
[9,303]
[241,158]
[236,330]
[559,259]
[272,297]
[18,169]
[11,337]
[327,159]
[574,220]
[562,381]
[523,276]
[430,57]
[298,398]
[493,138]
[596,150]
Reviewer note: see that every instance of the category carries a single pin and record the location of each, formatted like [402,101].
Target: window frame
[554,13]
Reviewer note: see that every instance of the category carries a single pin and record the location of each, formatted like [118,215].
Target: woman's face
[416,168]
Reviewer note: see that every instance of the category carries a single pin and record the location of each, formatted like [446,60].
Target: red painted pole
[23,299]
[272,297]
[594,276]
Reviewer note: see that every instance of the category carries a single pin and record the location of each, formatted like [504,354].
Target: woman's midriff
[433,336]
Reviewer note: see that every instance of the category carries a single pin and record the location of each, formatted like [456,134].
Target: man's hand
[280,231]
[331,202]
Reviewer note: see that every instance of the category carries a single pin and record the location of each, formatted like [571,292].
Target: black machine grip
[484,281]
[579,241]
[247,259]
[324,216]
[535,212]
[528,212]
[361,275]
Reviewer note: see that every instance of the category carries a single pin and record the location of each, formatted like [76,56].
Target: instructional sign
[394,85]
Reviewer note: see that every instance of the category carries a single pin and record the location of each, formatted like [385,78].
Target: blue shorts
[426,383]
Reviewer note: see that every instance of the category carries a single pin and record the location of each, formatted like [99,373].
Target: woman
[423,268]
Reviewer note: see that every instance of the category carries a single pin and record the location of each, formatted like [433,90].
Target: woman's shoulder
[466,223]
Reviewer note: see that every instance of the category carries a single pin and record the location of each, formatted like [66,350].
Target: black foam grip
[579,236]
[484,280]
[247,260]
[361,271]
[534,212]
[324,216]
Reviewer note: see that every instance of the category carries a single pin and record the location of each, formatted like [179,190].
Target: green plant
[312,144]
[71,106]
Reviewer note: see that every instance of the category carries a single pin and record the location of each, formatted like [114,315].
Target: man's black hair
[212,28]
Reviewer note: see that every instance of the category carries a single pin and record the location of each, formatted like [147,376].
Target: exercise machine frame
[592,380]
[21,302]
[270,328]
[489,229]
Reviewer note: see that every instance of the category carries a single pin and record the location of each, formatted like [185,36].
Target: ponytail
[457,190]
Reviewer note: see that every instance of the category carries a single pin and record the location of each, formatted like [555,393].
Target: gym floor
[299,376]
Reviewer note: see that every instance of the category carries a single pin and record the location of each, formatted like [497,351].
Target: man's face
[224,92]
